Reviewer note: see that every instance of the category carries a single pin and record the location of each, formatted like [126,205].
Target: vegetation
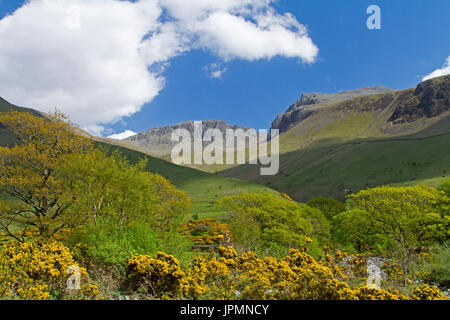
[343,168]
[437,267]
[38,271]
[328,206]
[71,207]
[233,276]
[110,190]
[207,232]
[202,188]
[401,221]
[264,221]
[28,174]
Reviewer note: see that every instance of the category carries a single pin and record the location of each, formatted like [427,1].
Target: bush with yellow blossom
[425,292]
[232,276]
[38,271]
[206,232]
[160,277]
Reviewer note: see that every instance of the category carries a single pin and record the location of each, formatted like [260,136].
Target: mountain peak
[321,98]
[304,107]
[158,140]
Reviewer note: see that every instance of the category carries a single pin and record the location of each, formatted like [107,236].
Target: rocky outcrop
[284,121]
[431,98]
[309,102]
[159,140]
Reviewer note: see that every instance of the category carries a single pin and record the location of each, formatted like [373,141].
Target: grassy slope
[337,123]
[327,168]
[203,188]
[352,145]
[347,145]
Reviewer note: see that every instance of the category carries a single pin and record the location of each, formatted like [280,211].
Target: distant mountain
[158,140]
[338,146]
[309,102]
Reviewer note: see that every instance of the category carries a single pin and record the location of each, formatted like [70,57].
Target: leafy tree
[329,206]
[352,230]
[412,217]
[438,268]
[321,225]
[123,209]
[263,219]
[38,200]
[108,189]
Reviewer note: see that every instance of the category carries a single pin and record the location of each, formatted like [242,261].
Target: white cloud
[215,71]
[94,74]
[113,64]
[122,135]
[439,72]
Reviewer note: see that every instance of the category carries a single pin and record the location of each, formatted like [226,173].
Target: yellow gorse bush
[206,232]
[35,270]
[160,276]
[425,292]
[233,276]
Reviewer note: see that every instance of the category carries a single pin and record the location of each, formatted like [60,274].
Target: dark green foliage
[439,267]
[328,206]
[353,233]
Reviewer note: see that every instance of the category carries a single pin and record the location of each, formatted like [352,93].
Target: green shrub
[438,269]
[113,245]
[446,187]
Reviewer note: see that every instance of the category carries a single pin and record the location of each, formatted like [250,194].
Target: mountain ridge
[158,140]
[309,102]
[399,137]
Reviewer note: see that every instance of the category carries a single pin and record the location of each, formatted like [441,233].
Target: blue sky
[413,42]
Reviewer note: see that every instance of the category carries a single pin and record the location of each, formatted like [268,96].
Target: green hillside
[203,188]
[338,169]
[354,144]
[397,137]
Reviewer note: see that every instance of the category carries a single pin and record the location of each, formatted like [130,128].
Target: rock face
[431,98]
[158,140]
[309,102]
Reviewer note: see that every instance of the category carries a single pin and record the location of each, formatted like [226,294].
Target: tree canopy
[28,172]
[410,217]
[55,179]
[266,219]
